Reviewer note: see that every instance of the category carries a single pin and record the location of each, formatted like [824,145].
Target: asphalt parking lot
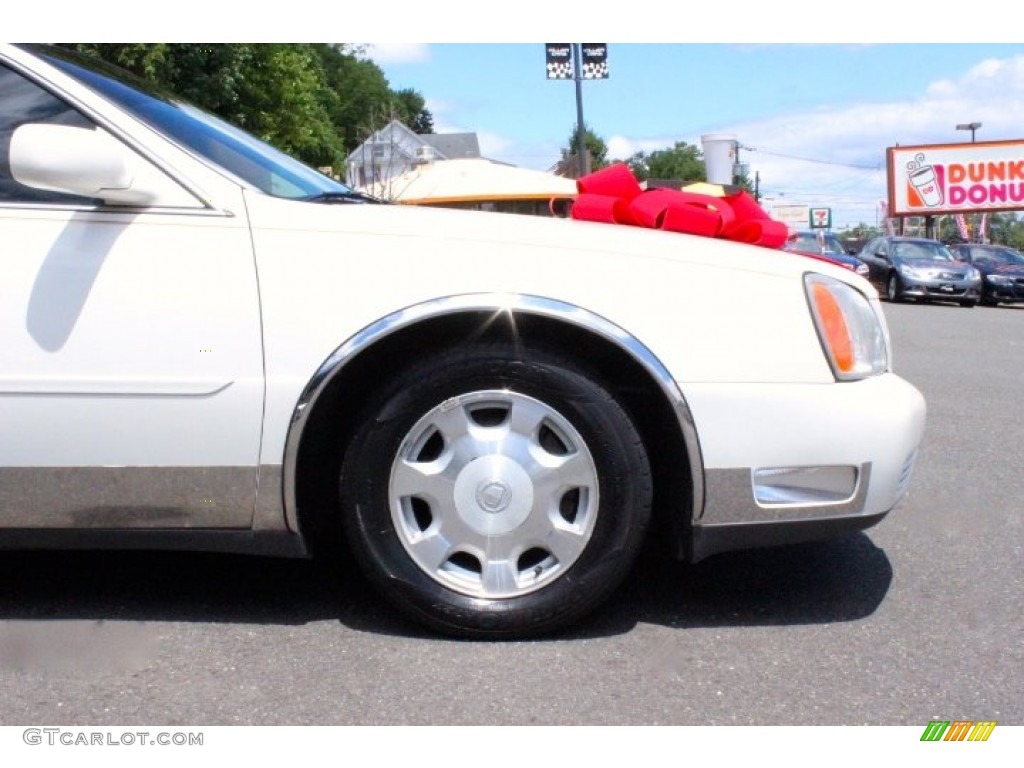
[916,619]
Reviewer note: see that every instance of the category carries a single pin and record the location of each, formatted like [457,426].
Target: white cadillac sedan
[206,345]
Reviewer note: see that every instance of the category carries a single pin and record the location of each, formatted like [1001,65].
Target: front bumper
[943,290]
[1008,292]
[788,463]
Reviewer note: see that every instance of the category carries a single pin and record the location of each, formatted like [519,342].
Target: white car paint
[183,333]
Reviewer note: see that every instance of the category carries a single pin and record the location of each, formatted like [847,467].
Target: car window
[921,250]
[22,101]
[801,242]
[831,244]
[815,242]
[996,256]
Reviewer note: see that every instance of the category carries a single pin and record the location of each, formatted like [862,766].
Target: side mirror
[86,162]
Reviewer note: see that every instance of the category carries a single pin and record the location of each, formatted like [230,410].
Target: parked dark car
[1002,271]
[921,269]
[822,243]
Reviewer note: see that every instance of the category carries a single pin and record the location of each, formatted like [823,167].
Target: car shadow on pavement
[842,579]
[834,581]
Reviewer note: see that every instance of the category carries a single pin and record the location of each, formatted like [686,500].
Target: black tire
[476,555]
[969,303]
[893,288]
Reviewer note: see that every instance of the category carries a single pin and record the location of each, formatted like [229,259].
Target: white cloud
[622,147]
[987,79]
[398,53]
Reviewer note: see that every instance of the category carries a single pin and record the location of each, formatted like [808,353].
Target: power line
[814,160]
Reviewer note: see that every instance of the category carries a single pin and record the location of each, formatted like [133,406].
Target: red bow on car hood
[612,195]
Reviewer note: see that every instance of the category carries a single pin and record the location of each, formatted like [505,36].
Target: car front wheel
[893,288]
[492,491]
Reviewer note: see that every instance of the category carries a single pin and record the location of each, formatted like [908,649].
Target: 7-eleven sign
[821,218]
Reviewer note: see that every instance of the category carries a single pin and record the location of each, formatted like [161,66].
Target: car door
[131,370]
[878,267]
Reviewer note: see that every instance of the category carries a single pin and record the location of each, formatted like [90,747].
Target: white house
[395,150]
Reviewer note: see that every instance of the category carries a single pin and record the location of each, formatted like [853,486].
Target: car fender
[495,308]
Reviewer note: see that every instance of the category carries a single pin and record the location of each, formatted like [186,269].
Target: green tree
[356,93]
[142,59]
[279,99]
[683,162]
[411,109]
[595,145]
[1006,229]
[862,231]
[316,101]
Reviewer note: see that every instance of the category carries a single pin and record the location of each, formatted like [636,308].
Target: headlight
[972,274]
[862,269]
[920,274]
[1001,279]
[851,333]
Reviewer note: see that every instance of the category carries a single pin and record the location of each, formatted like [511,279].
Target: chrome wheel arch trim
[496,305]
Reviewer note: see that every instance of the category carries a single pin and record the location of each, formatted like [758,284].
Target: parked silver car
[922,269]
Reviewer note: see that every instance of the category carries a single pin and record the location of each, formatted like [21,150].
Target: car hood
[1007,270]
[327,271]
[942,264]
[827,257]
[489,233]
[842,258]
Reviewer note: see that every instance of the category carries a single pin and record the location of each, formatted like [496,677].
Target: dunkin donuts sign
[956,178]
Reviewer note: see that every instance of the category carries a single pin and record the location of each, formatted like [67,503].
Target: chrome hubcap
[494,494]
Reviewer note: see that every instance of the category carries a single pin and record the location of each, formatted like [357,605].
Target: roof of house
[403,141]
[453,145]
[476,179]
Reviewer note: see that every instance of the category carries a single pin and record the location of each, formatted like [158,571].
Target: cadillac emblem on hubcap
[493,496]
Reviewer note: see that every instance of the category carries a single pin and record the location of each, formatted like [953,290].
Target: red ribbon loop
[612,195]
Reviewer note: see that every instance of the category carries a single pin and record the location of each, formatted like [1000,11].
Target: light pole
[972,127]
[579,62]
[581,130]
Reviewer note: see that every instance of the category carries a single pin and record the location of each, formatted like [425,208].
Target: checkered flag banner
[595,61]
[559,61]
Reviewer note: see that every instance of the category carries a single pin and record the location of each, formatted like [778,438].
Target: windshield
[996,256]
[922,249]
[825,243]
[245,157]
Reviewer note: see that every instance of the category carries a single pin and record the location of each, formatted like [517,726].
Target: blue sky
[838,106]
